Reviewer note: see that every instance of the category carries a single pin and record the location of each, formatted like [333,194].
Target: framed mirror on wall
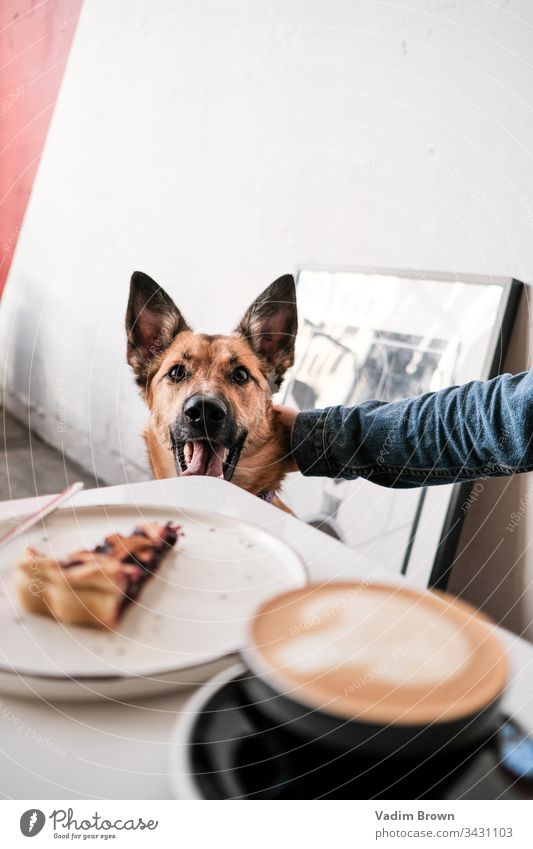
[385,335]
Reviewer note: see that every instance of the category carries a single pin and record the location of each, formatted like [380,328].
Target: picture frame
[385,334]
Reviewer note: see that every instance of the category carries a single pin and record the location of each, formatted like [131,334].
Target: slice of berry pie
[94,587]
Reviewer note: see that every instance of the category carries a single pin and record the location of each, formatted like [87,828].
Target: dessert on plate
[94,587]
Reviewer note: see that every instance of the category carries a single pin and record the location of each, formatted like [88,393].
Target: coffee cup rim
[461,709]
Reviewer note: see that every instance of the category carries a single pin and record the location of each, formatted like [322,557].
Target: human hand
[285,417]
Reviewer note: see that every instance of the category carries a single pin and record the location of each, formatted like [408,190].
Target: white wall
[217,144]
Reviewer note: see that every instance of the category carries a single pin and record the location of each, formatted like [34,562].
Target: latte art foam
[378,653]
[371,632]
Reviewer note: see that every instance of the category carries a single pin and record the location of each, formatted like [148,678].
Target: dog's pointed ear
[152,322]
[270,326]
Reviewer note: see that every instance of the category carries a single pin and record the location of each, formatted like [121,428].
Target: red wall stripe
[35,40]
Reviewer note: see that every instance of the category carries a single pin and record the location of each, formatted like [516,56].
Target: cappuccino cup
[376,668]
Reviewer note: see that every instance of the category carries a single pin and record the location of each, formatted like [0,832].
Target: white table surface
[116,750]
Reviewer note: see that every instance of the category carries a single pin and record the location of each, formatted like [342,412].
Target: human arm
[478,429]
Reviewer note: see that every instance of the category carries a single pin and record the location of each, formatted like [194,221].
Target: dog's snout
[206,411]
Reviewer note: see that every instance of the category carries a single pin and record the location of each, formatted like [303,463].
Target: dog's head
[210,395]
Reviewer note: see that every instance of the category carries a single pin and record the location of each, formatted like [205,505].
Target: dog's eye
[240,374]
[177,373]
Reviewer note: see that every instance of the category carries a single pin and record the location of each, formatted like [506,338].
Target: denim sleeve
[479,429]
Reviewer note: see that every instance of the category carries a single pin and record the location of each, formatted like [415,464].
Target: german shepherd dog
[209,397]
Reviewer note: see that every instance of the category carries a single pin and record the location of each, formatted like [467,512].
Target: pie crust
[94,588]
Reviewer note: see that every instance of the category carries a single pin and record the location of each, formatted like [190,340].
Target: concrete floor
[30,467]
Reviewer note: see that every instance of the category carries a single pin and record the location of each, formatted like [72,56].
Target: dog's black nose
[206,411]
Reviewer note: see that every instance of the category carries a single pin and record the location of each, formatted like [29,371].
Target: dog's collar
[267,495]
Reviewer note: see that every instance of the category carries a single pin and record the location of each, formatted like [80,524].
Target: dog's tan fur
[210,361]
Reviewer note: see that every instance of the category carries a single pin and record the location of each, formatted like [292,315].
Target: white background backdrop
[216,145]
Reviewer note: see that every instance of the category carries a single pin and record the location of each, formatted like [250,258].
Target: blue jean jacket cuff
[308,443]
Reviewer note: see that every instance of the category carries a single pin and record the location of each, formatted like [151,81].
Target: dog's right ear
[152,322]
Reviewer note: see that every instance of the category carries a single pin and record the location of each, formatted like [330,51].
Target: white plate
[189,618]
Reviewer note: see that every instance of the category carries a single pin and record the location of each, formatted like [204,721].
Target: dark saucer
[233,751]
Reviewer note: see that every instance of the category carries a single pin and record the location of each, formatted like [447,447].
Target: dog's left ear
[152,322]
[270,326]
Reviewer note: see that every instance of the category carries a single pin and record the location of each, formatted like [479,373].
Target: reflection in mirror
[386,336]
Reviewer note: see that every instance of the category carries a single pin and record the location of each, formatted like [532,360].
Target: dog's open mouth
[206,457]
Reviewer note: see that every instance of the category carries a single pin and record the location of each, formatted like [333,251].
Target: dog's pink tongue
[207,459]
